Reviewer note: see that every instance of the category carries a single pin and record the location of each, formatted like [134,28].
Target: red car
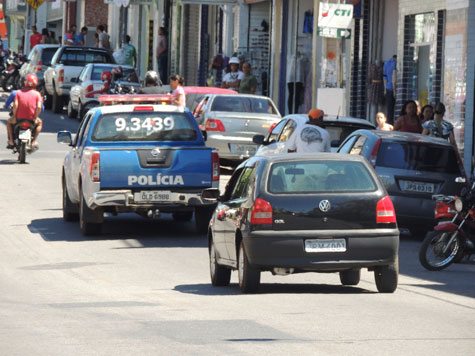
[195,94]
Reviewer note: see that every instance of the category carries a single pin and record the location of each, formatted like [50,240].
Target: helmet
[151,77]
[31,80]
[117,72]
[234,60]
[316,114]
[106,76]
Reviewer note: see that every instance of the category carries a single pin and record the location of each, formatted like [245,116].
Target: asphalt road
[143,288]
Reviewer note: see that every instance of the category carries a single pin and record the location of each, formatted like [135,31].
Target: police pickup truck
[138,153]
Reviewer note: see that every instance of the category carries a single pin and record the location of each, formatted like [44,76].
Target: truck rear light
[374,153]
[39,66]
[261,212]
[95,167]
[215,165]
[214,125]
[143,108]
[385,211]
[61,76]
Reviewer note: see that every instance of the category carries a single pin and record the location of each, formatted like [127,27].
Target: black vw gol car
[304,213]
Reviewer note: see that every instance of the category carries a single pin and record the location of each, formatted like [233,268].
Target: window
[243,104]
[358,146]
[47,55]
[144,126]
[288,130]
[274,134]
[412,156]
[82,128]
[241,190]
[347,146]
[81,58]
[320,176]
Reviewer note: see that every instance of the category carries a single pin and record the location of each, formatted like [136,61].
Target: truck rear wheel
[57,103]
[90,221]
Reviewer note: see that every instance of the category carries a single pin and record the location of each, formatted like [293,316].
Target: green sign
[334,32]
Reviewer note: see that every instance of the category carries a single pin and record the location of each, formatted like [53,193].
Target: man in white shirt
[232,80]
[311,137]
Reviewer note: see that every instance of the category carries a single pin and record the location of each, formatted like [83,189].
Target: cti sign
[335,15]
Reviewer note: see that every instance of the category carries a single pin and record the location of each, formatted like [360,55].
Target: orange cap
[316,114]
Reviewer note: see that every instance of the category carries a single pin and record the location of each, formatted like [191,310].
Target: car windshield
[418,157]
[144,126]
[320,176]
[81,58]
[47,55]
[129,73]
[243,104]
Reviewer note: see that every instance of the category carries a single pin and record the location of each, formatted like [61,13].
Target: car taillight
[25,125]
[214,125]
[443,209]
[61,76]
[261,212]
[215,165]
[143,108]
[95,167]
[374,153]
[39,66]
[385,211]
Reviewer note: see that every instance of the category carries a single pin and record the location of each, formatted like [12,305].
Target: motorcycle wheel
[431,255]
[22,153]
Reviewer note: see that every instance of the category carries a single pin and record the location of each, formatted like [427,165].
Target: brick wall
[95,13]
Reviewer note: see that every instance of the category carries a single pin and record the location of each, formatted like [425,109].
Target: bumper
[364,248]
[414,212]
[124,199]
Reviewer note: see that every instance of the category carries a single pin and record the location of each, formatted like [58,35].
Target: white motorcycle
[22,138]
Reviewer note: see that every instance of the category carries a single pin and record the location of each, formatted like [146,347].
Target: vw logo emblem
[155,152]
[324,205]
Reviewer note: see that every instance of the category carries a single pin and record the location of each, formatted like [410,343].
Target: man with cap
[232,80]
[311,137]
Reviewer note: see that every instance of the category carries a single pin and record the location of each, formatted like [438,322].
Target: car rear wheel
[73,114]
[70,210]
[57,103]
[89,219]
[386,277]
[220,275]
[350,277]
[249,276]
[182,215]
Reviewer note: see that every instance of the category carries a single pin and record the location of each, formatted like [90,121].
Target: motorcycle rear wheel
[22,152]
[431,255]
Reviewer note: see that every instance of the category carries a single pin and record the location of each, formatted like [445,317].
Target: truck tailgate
[156,168]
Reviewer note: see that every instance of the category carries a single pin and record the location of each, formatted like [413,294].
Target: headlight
[458,205]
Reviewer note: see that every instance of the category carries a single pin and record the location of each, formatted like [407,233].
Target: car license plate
[419,187]
[153,196]
[24,135]
[239,148]
[325,245]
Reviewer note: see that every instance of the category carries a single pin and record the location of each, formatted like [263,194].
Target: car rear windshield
[339,133]
[129,73]
[47,54]
[144,126]
[81,57]
[243,104]
[320,176]
[418,157]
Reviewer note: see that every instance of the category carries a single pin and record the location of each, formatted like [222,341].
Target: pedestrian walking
[176,83]
[408,120]
[162,54]
[438,127]
[382,124]
[130,53]
[35,37]
[248,84]
[311,137]
[232,80]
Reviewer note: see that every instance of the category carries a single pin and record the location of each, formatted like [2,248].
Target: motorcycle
[453,239]
[23,133]
[12,78]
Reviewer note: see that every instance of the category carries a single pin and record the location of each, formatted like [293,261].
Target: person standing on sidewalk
[103,38]
[35,37]
[389,78]
[162,54]
[130,53]
[232,80]
[248,84]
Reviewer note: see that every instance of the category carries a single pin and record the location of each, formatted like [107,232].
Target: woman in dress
[438,127]
[381,121]
[176,83]
[408,121]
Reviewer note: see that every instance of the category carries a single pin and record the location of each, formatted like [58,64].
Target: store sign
[335,15]
[333,32]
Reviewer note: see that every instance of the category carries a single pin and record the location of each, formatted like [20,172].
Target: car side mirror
[335,143]
[258,139]
[64,137]
[460,180]
[210,194]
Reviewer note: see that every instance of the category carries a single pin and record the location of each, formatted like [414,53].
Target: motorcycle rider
[27,106]
[152,84]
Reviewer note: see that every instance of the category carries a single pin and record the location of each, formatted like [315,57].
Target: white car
[89,80]
[338,128]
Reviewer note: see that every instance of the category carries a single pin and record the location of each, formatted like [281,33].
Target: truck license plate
[325,245]
[153,196]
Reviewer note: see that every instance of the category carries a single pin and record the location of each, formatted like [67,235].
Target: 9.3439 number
[148,123]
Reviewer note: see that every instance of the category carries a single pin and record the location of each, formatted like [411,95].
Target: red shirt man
[28,101]
[35,37]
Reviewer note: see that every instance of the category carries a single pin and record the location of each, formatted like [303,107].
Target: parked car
[231,121]
[194,95]
[296,213]
[275,142]
[89,80]
[38,61]
[412,167]
[67,63]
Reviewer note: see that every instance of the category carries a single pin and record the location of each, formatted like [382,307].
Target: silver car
[89,80]
[231,121]
[38,60]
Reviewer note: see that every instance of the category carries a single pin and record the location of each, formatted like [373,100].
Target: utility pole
[316,8]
